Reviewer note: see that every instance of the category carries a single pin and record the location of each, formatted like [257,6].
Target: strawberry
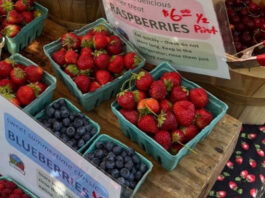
[190,132]
[199,97]
[6,67]
[94,86]
[25,95]
[86,51]
[71,57]
[70,41]
[130,115]
[83,83]
[34,73]
[158,90]
[58,56]
[126,100]
[20,66]
[203,118]
[115,45]
[116,64]
[178,136]
[21,5]
[4,23]
[103,77]
[164,139]
[85,62]
[165,105]
[138,95]
[14,17]
[131,60]
[72,70]
[37,13]
[6,6]
[171,79]
[100,41]
[102,59]
[167,121]
[148,124]
[87,40]
[100,29]
[18,76]
[8,84]
[11,30]
[148,105]
[143,81]
[27,16]
[38,88]
[11,98]
[185,112]
[179,93]
[175,148]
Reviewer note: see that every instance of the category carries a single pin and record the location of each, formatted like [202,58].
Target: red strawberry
[220,178]
[100,41]
[87,41]
[25,95]
[18,76]
[158,90]
[10,185]
[116,64]
[232,185]
[143,80]
[251,178]
[72,70]
[171,79]
[185,112]
[115,46]
[252,136]
[7,83]
[199,97]
[126,100]
[103,77]
[262,178]
[38,88]
[131,60]
[70,41]
[58,57]
[34,73]
[164,139]
[165,105]
[179,93]
[27,16]
[253,192]
[6,6]
[100,29]
[138,95]
[244,146]
[190,132]
[178,136]
[86,51]
[83,83]
[252,163]
[85,62]
[239,160]
[167,121]
[147,105]
[175,148]
[20,66]
[244,173]
[14,17]
[102,59]
[262,129]
[6,67]
[18,191]
[203,118]
[94,86]
[148,124]
[11,30]
[71,57]
[21,5]
[221,194]
[130,115]
[230,164]
[12,98]
[260,152]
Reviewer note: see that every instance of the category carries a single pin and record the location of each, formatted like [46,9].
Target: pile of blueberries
[73,128]
[121,164]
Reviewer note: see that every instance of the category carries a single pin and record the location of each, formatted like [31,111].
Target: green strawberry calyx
[73,69]
[161,119]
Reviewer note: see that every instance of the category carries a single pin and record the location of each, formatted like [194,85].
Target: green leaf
[212,193]
[237,179]
[243,135]
[226,174]
[240,191]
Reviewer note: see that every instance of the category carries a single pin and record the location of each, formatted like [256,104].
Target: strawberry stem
[190,149]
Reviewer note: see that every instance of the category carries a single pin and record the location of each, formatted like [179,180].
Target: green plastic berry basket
[26,191]
[73,108]
[46,96]
[167,160]
[106,138]
[28,33]
[90,100]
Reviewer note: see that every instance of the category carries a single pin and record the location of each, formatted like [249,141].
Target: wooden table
[196,173]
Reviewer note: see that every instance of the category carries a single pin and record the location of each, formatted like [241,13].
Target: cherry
[235,19]
[231,13]
[262,27]
[240,27]
[253,7]
[246,37]
[229,3]
[244,12]
[247,1]
[238,46]
[237,2]
[257,22]
[236,38]
[251,24]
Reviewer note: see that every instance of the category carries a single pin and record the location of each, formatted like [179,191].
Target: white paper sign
[183,32]
[45,165]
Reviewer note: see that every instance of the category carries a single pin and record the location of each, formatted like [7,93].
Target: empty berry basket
[167,160]
[74,109]
[90,100]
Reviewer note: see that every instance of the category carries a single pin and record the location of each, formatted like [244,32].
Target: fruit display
[121,163]
[247,23]
[70,125]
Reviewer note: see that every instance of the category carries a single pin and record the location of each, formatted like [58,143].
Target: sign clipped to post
[36,159]
[184,33]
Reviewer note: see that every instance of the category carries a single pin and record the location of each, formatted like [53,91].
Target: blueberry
[109,146]
[103,165]
[81,130]
[77,137]
[66,122]
[86,137]
[89,156]
[70,143]
[79,115]
[99,145]
[62,102]
[124,172]
[49,111]
[96,161]
[136,159]
[51,120]
[64,138]
[127,183]
[75,148]
[57,134]
[143,168]
[128,165]
[124,154]
[130,151]
[47,124]
[78,122]
[119,158]
[121,180]
[132,184]
[93,131]
[57,126]
[131,177]
[65,113]
[115,173]
[56,105]
[63,130]
[133,171]
[70,131]
[117,150]
[99,153]
[80,143]
[88,127]
[127,158]
[110,164]
[138,175]
[110,156]
[86,121]
[119,164]
[63,108]
[57,115]
[71,117]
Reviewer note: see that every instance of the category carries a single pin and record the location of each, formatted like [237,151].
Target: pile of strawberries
[94,59]
[9,189]
[165,110]
[15,14]
[20,84]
